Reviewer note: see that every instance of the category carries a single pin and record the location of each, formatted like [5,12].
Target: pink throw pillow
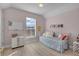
[62,36]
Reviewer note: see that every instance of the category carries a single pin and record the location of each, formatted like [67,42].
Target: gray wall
[13,14]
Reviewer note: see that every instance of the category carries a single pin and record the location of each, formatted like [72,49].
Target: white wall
[0,27]
[68,17]
[17,15]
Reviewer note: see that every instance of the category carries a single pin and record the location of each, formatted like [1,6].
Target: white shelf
[17,41]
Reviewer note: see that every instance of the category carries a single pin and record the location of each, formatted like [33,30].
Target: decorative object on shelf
[61,25]
[56,26]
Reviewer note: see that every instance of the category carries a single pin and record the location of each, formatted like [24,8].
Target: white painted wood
[14,42]
[21,41]
[17,41]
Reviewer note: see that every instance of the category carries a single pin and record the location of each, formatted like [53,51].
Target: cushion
[47,34]
[62,36]
[57,33]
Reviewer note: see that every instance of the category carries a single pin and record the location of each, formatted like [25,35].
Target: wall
[0,27]
[66,19]
[14,14]
[70,20]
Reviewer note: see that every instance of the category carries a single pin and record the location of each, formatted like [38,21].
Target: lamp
[40,5]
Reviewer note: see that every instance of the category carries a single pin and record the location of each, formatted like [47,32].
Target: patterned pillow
[62,36]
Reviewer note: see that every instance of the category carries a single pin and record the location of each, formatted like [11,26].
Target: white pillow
[47,34]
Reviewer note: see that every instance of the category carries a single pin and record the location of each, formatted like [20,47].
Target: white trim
[34,28]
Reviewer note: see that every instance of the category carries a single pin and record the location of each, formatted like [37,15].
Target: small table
[75,46]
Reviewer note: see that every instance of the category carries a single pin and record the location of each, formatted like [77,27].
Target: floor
[36,49]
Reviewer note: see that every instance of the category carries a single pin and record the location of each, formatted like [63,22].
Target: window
[31,26]
[30,22]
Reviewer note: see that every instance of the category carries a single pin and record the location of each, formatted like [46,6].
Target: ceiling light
[41,5]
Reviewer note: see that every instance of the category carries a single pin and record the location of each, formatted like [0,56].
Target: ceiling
[36,9]
[33,7]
